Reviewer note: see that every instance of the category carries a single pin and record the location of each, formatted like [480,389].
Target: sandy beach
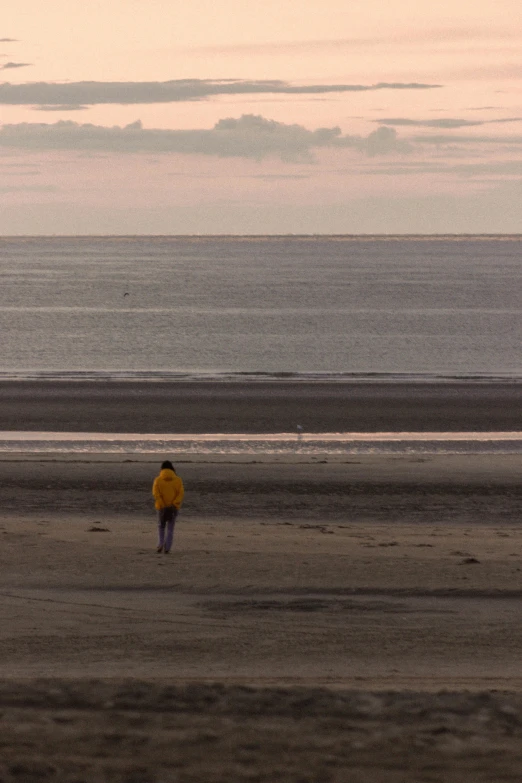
[379,572]
[320,618]
[302,629]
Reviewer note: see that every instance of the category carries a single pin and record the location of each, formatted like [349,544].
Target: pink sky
[299,117]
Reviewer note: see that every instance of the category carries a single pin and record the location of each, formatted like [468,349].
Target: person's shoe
[167,551]
[159,550]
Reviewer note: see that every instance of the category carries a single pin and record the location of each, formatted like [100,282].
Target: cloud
[268,177]
[8,66]
[460,140]
[412,37]
[28,189]
[32,172]
[448,122]
[16,165]
[487,171]
[271,177]
[95,93]
[61,107]
[511,168]
[250,136]
[384,141]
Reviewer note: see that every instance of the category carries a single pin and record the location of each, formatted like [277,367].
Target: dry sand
[398,577]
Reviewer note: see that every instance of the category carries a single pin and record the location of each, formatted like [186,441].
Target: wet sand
[260,406]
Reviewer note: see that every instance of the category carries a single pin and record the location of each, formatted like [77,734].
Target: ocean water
[212,306]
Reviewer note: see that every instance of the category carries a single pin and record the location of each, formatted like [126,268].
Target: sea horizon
[290,235]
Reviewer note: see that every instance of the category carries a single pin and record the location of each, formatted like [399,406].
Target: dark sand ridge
[144,733]
[259,406]
[446,489]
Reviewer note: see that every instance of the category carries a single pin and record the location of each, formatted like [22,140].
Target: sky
[242,117]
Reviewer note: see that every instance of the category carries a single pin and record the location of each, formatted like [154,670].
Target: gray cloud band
[249,136]
[11,66]
[94,93]
[448,123]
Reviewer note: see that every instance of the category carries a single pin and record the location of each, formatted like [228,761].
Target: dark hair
[167,464]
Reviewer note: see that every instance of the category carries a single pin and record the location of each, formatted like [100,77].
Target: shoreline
[248,379]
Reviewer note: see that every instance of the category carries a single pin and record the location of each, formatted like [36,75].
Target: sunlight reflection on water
[274,443]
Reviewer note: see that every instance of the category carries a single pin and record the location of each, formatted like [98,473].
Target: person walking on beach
[168,492]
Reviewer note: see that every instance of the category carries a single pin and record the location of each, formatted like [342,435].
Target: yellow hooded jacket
[168,489]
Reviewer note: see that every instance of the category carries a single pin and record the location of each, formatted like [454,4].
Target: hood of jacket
[167,474]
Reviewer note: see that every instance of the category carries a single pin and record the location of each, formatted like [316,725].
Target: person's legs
[161,529]
[170,530]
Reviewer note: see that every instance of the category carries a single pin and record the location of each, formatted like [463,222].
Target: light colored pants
[166,520]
